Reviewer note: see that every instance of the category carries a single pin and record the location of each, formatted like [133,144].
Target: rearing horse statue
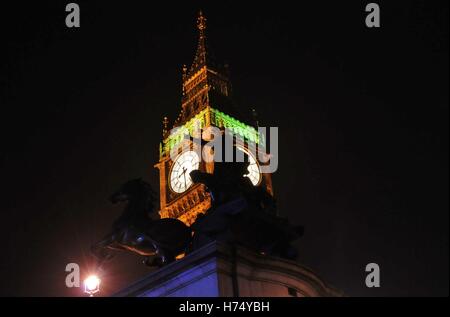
[159,241]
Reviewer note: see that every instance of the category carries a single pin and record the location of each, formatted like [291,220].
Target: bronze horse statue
[159,241]
[240,214]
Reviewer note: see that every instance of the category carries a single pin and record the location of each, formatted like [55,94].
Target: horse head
[139,198]
[134,190]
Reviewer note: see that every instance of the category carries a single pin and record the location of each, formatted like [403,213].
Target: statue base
[221,270]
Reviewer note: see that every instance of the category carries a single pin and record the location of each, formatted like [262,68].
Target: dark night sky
[362,113]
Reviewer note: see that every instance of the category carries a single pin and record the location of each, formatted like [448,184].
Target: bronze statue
[242,214]
[160,241]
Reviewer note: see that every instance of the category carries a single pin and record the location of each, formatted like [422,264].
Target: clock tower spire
[200,56]
[206,102]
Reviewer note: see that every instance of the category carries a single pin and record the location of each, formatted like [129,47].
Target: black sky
[362,113]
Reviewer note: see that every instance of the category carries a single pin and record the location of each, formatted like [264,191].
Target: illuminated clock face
[179,177]
[254,173]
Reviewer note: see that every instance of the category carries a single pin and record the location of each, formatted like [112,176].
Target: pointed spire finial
[255,117]
[200,55]
[201,22]
[165,125]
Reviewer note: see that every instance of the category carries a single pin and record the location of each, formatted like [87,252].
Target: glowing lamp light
[92,285]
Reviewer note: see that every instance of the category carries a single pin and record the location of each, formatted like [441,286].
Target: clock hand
[184,174]
[184,171]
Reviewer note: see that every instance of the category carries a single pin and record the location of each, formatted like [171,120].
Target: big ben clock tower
[206,102]
[225,266]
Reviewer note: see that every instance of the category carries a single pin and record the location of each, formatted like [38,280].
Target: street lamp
[92,285]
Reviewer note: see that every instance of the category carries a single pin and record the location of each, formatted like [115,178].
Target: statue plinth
[221,270]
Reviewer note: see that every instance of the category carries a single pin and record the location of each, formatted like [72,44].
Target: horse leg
[152,261]
[166,256]
[100,250]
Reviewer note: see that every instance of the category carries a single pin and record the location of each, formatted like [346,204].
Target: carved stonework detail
[188,207]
